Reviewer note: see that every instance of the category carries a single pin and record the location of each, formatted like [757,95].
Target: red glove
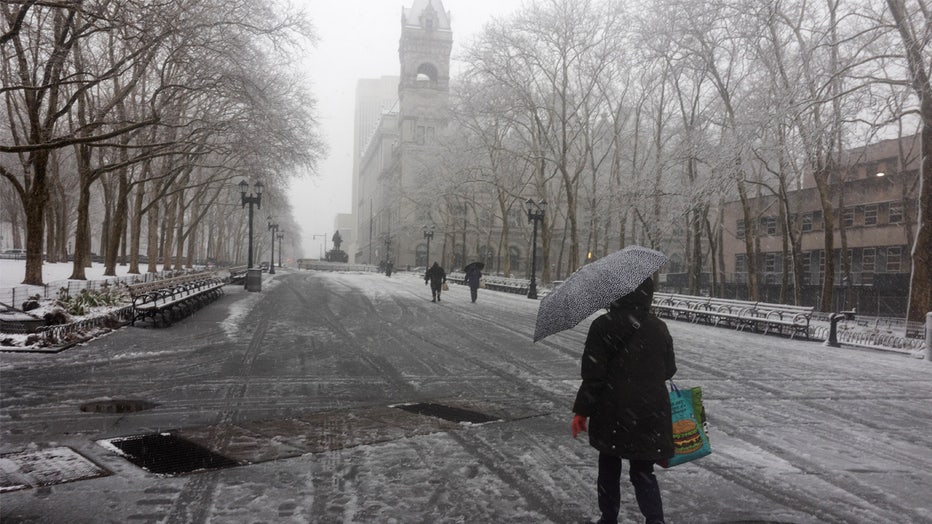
[579,425]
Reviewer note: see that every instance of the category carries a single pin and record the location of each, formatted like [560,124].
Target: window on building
[847,217]
[741,263]
[896,213]
[817,223]
[739,229]
[431,134]
[769,225]
[894,259]
[868,260]
[770,263]
[870,215]
[807,222]
[419,135]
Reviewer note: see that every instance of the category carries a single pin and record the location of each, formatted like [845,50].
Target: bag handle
[674,388]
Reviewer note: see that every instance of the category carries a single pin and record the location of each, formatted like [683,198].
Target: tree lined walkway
[801,432]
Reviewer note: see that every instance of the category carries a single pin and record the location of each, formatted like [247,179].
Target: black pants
[474,291]
[646,490]
[435,290]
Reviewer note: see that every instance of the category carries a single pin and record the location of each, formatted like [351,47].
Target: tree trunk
[168,232]
[179,227]
[117,224]
[35,199]
[822,179]
[920,287]
[750,232]
[82,238]
[152,249]
[135,232]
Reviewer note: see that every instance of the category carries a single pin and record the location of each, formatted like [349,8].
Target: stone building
[401,150]
[375,97]
[879,190]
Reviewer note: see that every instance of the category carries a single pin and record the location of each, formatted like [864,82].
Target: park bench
[173,298]
[494,283]
[739,314]
[508,285]
[238,274]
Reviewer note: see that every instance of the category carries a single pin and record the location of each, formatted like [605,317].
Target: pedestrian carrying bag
[690,427]
[445,287]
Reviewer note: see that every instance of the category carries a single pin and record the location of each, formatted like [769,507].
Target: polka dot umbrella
[595,286]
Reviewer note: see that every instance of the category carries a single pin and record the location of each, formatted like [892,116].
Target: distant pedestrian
[627,358]
[436,277]
[473,275]
[389,267]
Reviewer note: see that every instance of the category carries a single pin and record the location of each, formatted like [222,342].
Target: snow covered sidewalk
[299,384]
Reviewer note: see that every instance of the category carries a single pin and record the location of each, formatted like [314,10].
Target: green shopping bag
[690,437]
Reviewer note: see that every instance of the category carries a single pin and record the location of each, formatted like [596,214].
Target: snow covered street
[301,384]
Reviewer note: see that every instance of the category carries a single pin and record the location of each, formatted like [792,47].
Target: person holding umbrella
[436,276]
[627,358]
[473,275]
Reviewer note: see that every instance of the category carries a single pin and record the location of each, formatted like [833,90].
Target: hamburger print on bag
[690,440]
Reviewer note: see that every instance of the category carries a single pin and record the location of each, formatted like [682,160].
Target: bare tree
[914,25]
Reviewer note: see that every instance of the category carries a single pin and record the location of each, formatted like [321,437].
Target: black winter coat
[436,275]
[627,358]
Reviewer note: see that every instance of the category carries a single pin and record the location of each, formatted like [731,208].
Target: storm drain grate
[169,455]
[447,413]
[117,406]
[45,467]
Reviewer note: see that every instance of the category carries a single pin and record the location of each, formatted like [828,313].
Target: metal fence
[72,332]
[15,296]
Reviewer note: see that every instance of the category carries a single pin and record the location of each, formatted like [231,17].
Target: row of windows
[886,213]
[864,261]
[425,135]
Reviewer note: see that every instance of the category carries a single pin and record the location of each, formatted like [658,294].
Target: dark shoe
[433,300]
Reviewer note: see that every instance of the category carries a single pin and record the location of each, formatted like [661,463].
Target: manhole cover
[45,467]
[117,406]
[167,454]
[447,413]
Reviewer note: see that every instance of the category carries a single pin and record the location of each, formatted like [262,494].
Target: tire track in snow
[196,499]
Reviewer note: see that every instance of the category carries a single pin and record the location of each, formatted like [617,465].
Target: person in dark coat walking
[627,359]
[473,275]
[436,276]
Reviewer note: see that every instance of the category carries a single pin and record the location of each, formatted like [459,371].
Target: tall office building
[375,97]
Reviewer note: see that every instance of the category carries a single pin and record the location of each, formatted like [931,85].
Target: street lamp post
[535,214]
[273,227]
[281,237]
[428,234]
[251,200]
[388,255]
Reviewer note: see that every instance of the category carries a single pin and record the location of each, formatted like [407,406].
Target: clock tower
[424,53]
